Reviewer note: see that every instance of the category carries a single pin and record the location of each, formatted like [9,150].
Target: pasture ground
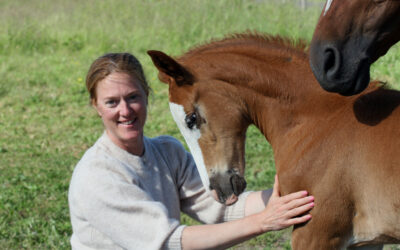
[46,123]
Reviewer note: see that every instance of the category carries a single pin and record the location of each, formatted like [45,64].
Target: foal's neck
[287,99]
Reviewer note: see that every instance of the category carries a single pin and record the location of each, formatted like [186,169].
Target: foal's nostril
[238,184]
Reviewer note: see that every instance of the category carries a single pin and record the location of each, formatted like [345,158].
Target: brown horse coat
[351,35]
[344,150]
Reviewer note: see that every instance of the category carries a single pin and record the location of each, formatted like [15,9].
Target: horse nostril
[329,60]
[331,63]
[238,184]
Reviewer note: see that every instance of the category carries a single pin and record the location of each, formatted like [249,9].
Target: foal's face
[209,121]
[349,37]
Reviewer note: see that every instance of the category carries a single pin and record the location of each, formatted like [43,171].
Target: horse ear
[168,66]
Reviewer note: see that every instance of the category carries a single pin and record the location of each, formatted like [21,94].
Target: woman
[128,190]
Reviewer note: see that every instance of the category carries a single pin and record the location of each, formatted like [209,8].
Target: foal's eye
[191,120]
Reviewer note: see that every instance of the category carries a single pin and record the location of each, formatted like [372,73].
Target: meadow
[46,122]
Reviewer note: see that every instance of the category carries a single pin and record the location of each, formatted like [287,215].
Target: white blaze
[327,6]
[191,137]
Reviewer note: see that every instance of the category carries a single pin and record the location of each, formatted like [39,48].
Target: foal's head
[216,141]
[349,37]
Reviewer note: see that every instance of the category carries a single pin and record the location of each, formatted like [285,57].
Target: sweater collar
[122,154]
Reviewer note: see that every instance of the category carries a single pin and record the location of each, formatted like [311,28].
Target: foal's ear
[171,68]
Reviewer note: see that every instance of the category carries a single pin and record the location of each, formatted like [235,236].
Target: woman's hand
[285,211]
[279,213]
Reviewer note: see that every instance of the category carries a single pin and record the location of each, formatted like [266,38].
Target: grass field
[46,122]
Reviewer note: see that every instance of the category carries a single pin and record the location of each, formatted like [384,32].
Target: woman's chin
[126,137]
[132,136]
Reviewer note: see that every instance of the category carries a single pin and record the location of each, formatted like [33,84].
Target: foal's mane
[257,45]
[252,39]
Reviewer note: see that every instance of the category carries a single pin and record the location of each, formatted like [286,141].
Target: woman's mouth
[128,122]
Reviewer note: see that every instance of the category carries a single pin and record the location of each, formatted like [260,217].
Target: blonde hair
[114,62]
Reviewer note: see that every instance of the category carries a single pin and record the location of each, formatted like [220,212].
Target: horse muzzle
[340,70]
[226,187]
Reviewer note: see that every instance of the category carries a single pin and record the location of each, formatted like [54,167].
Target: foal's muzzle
[227,186]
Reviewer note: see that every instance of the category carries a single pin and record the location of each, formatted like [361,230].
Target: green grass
[46,122]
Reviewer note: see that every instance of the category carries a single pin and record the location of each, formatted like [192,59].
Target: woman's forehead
[118,83]
[120,77]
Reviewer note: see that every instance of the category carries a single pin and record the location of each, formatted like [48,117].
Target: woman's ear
[95,106]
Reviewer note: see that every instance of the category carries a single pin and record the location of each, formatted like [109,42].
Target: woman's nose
[125,109]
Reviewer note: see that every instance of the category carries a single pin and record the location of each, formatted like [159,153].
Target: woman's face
[122,104]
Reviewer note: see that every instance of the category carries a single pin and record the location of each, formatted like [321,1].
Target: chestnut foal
[344,150]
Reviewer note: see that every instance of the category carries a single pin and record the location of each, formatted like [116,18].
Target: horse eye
[191,120]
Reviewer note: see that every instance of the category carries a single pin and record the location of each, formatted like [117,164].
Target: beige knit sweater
[121,201]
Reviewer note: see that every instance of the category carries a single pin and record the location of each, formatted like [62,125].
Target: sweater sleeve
[119,209]
[195,200]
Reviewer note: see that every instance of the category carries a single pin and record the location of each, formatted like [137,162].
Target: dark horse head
[349,37]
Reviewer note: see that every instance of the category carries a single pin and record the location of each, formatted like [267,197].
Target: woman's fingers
[290,197]
[300,210]
[286,210]
[275,191]
[297,202]
[298,220]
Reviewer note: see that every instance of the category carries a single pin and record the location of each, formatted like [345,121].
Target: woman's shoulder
[171,150]
[98,163]
[91,163]
[166,142]
[92,156]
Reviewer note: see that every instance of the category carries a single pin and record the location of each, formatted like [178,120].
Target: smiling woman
[129,190]
[121,103]
[118,90]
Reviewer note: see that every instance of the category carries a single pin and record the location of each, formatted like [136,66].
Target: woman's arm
[257,201]
[279,213]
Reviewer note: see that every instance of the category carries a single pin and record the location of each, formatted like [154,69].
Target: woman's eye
[191,120]
[132,97]
[110,103]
